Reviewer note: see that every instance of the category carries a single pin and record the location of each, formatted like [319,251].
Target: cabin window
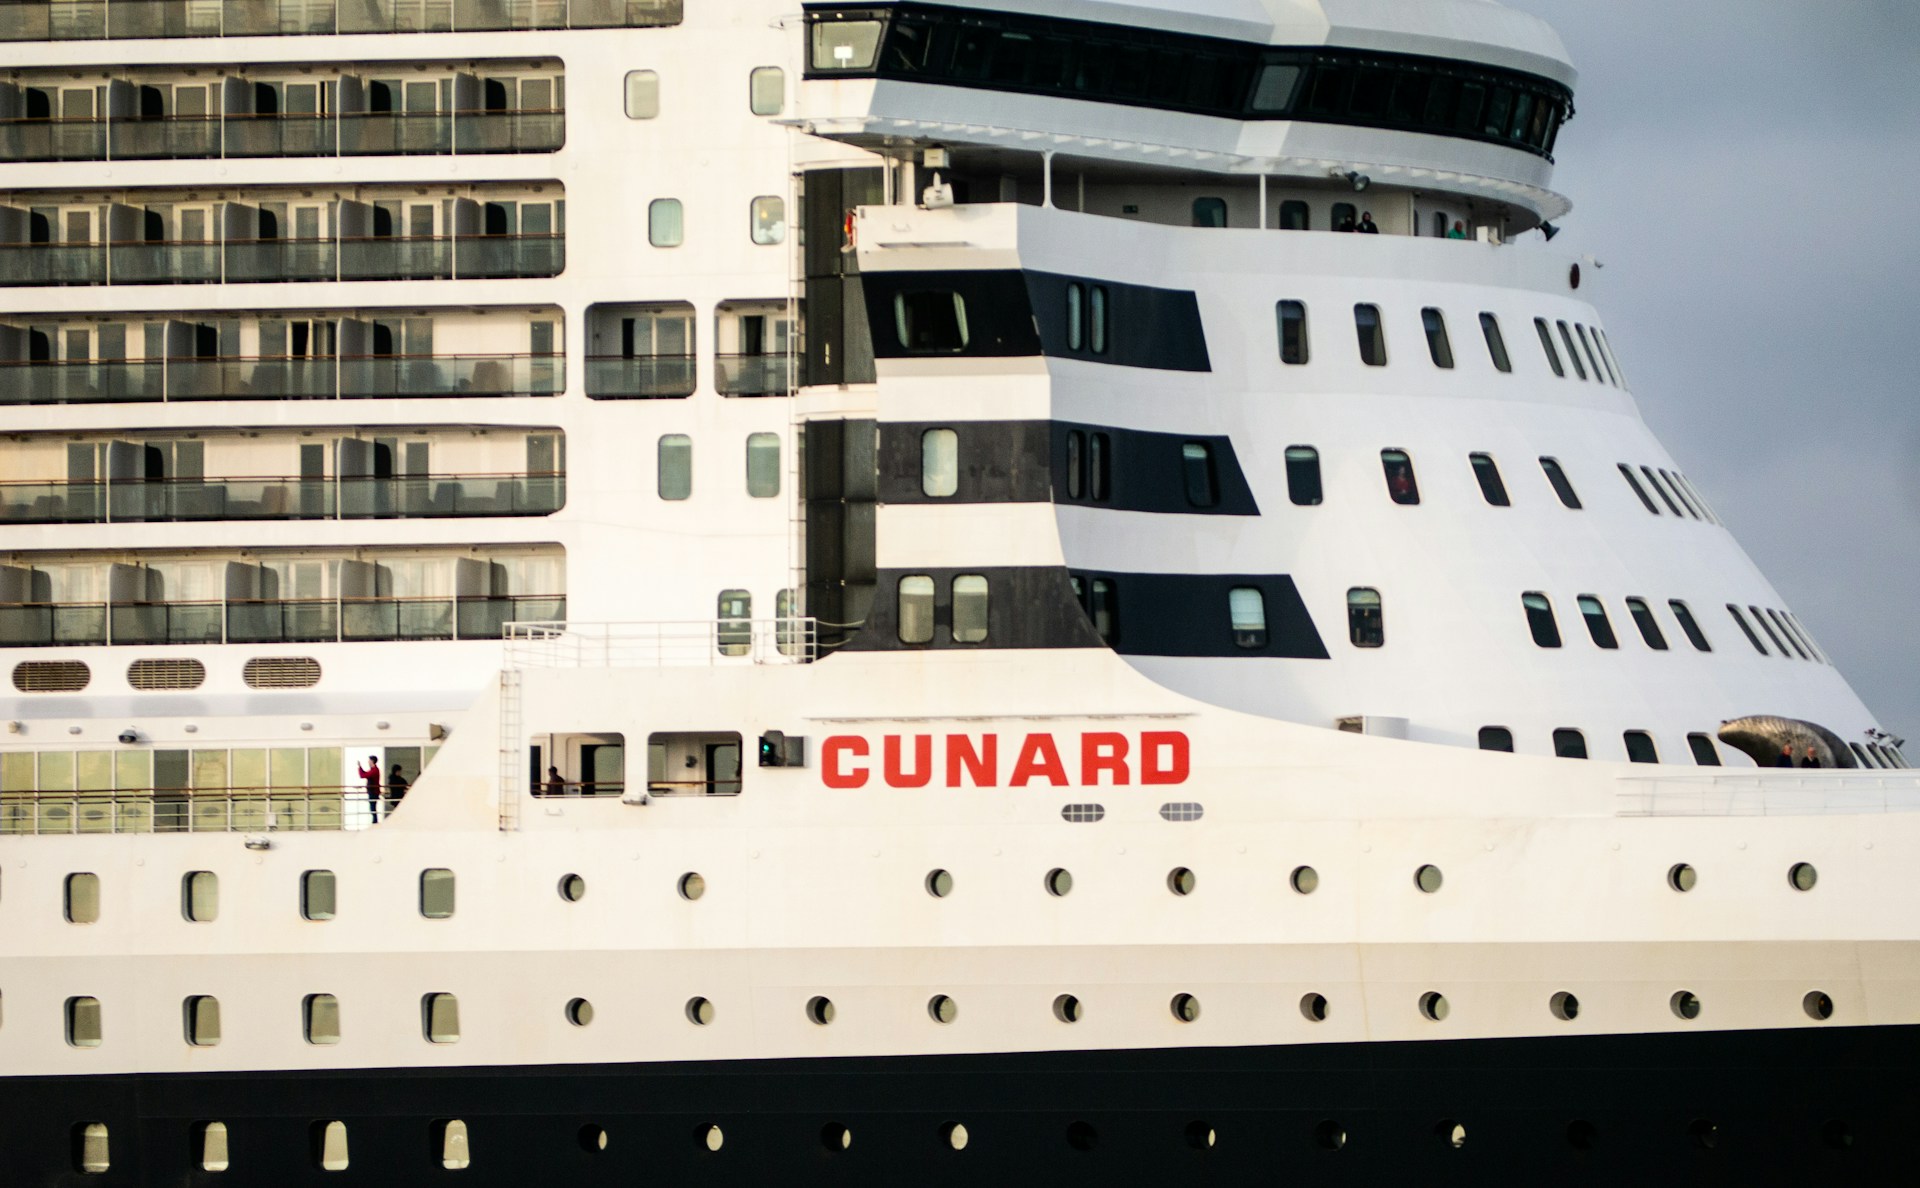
[440,1018]
[931,322]
[1496,738]
[320,1014]
[1660,490]
[200,896]
[1439,346]
[1293,331]
[767,91]
[1598,625]
[1626,472]
[940,462]
[455,1152]
[1684,617]
[1540,620]
[1599,364]
[767,220]
[1097,319]
[82,895]
[1704,752]
[201,1019]
[317,895]
[1680,493]
[1648,625]
[211,1140]
[330,1145]
[1573,352]
[763,465]
[1401,486]
[1345,216]
[1247,609]
[1485,470]
[1104,607]
[1076,316]
[916,609]
[1746,630]
[83,1022]
[676,467]
[1303,476]
[1785,633]
[1373,337]
[1557,479]
[733,622]
[970,606]
[1606,346]
[1546,344]
[1569,744]
[1099,466]
[1761,619]
[436,893]
[1209,212]
[1197,470]
[1640,748]
[666,223]
[643,95]
[1295,216]
[1496,342]
[1365,626]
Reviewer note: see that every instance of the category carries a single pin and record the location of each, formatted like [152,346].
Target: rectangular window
[200,896]
[643,95]
[1491,487]
[1366,626]
[1345,216]
[940,462]
[1704,752]
[1573,352]
[317,895]
[916,609]
[767,220]
[202,1020]
[763,465]
[970,608]
[1546,344]
[1684,617]
[1640,748]
[1598,364]
[1076,462]
[83,1022]
[1303,476]
[1648,625]
[1439,346]
[1598,625]
[1746,630]
[1398,466]
[1496,738]
[1209,212]
[1557,478]
[320,1019]
[440,1018]
[1373,337]
[1273,93]
[1626,472]
[1096,319]
[436,893]
[1295,215]
[1496,342]
[767,91]
[1197,468]
[1247,610]
[1761,619]
[1293,332]
[931,322]
[1661,491]
[82,895]
[733,623]
[1569,744]
[1076,316]
[1099,467]
[666,223]
[845,45]
[676,466]
[1540,620]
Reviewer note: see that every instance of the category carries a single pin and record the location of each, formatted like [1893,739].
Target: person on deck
[396,788]
[1367,225]
[1786,757]
[1459,230]
[556,784]
[370,772]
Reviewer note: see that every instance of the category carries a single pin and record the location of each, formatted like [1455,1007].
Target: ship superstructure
[900,590]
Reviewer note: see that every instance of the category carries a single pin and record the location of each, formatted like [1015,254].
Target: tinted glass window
[1648,625]
[1365,626]
[1569,744]
[1546,344]
[1097,319]
[1760,618]
[1104,605]
[931,322]
[1196,462]
[1598,364]
[1274,92]
[1640,748]
[1704,752]
[1680,492]
[1660,490]
[1373,337]
[916,609]
[1439,346]
[1076,463]
[1247,609]
[1293,331]
[1209,212]
[1295,216]
[1496,342]
[1099,466]
[1400,481]
[763,465]
[1626,472]
[1076,316]
[1557,477]
[845,45]
[1345,216]
[1573,352]
[940,462]
[1597,625]
[1785,632]
[1540,620]
[1746,630]
[1303,475]
[969,608]
[1684,616]
[1496,738]
[676,466]
[1488,473]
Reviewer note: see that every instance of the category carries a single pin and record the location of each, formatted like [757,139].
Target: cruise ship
[1021,591]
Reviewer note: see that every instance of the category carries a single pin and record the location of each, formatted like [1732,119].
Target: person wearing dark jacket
[1786,757]
[1812,758]
[1367,225]
[396,788]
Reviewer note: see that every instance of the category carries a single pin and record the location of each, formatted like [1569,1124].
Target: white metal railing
[1765,793]
[704,643]
[200,810]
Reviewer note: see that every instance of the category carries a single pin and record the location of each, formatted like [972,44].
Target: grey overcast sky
[1747,172]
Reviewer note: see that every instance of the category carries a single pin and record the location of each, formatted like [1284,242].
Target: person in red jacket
[370,772]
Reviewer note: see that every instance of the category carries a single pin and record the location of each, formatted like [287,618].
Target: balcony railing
[284,135]
[350,378]
[389,257]
[753,375]
[181,810]
[305,620]
[439,496]
[643,377]
[73,20]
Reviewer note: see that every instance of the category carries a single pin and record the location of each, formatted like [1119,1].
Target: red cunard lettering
[982,766]
[835,769]
[1103,753]
[922,773]
[1163,757]
[1038,757]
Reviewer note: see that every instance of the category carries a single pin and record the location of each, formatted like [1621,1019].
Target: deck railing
[284,261]
[703,643]
[432,496]
[1766,793]
[75,20]
[352,377]
[271,620]
[174,810]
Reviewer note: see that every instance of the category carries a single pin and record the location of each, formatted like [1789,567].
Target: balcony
[753,375]
[53,140]
[74,20]
[382,258]
[324,620]
[641,377]
[285,135]
[351,378]
[426,497]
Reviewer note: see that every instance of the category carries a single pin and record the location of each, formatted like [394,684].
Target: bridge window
[931,322]
[1648,625]
[1209,212]
[1295,215]
[1496,738]
[1557,478]
[1247,608]
[1546,344]
[1761,619]
[1293,332]
[1597,624]
[916,609]
[1573,352]
[1684,617]
[1746,630]
[1198,470]
[1401,486]
[1488,472]
[1703,750]
[1496,342]
[1373,337]
[1365,625]
[1540,620]
[1660,490]
[1439,346]
[1303,476]
[1569,744]
[1626,472]
[1640,748]
[843,46]
[970,605]
[1599,364]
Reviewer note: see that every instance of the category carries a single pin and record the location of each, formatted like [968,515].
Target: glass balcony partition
[395,257]
[107,382]
[74,20]
[431,496]
[53,139]
[165,623]
[641,377]
[284,135]
[170,136]
[164,263]
[42,625]
[753,375]
[385,377]
[53,263]
[257,621]
[275,260]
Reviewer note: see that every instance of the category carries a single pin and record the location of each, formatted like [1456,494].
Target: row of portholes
[93,1152]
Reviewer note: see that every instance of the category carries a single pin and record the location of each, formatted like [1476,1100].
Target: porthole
[1450,1133]
[593,1139]
[1066,1008]
[712,1137]
[1581,1134]
[1565,1007]
[1181,881]
[1201,1136]
[1705,1133]
[942,1009]
[573,888]
[1433,1005]
[940,883]
[1685,1004]
[1314,1007]
[1305,880]
[1081,1136]
[835,1137]
[1682,877]
[1059,882]
[1818,1006]
[579,1012]
[820,1010]
[1330,1135]
[1185,1008]
[1573,277]
[700,1011]
[954,1134]
[692,886]
[1428,879]
[1802,876]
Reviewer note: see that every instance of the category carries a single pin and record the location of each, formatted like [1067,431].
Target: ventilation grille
[152,675]
[1083,814]
[1183,810]
[51,676]
[281,672]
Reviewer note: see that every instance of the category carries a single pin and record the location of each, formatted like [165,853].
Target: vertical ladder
[513,770]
